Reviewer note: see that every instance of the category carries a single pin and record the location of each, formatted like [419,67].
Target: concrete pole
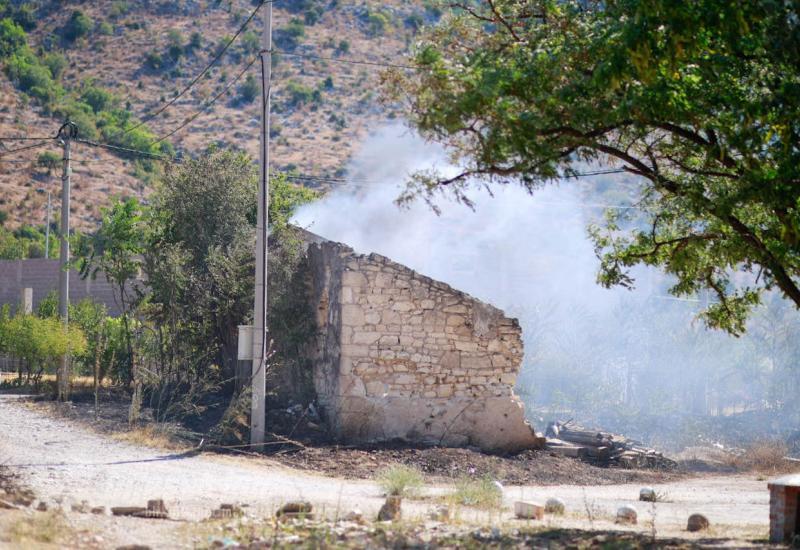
[63,375]
[47,229]
[259,375]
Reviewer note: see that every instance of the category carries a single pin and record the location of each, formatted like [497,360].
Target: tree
[77,26]
[116,250]
[700,99]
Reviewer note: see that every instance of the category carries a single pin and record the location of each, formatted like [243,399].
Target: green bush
[289,37]
[97,98]
[153,60]
[249,89]
[195,41]
[251,42]
[77,26]
[118,9]
[377,23]
[299,94]
[343,47]
[105,28]
[12,37]
[48,160]
[55,62]
[479,493]
[176,44]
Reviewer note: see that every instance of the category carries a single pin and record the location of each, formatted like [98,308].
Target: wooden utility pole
[259,367]
[67,132]
[47,228]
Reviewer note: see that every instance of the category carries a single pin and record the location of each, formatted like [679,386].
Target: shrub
[288,38]
[249,89]
[12,37]
[105,28]
[48,160]
[377,23]
[195,41]
[97,98]
[298,94]
[479,493]
[400,480]
[3,217]
[343,47]
[118,9]
[55,62]
[153,60]
[77,26]
[176,44]
[251,42]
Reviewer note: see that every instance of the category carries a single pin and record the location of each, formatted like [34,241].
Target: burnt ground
[312,454]
[445,464]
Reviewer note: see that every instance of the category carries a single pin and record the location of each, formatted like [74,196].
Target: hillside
[144,52]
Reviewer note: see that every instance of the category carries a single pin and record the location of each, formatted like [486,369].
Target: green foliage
[153,60]
[39,342]
[377,23]
[25,242]
[249,89]
[48,160]
[250,42]
[299,94]
[97,98]
[118,9]
[195,41]
[3,217]
[55,63]
[12,37]
[105,28]
[176,44]
[343,47]
[289,37]
[699,99]
[77,26]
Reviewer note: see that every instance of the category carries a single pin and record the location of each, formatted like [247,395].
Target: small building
[784,509]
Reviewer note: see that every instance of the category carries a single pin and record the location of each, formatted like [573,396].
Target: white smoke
[530,255]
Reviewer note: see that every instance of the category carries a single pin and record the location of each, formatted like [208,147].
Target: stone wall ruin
[400,355]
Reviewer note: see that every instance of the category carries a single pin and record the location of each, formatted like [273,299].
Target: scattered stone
[355,515]
[227,511]
[647,494]
[42,506]
[5,505]
[156,505]
[627,514]
[295,509]
[697,522]
[555,506]
[528,510]
[127,510]
[390,511]
[133,547]
[82,508]
[440,513]
[99,510]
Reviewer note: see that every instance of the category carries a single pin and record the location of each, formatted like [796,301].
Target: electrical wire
[122,149]
[209,103]
[349,61]
[26,148]
[194,81]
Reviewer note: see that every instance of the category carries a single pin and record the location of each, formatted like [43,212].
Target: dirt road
[62,461]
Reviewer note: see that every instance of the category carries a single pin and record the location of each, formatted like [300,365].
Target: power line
[351,61]
[24,138]
[209,103]
[123,149]
[194,81]
[27,147]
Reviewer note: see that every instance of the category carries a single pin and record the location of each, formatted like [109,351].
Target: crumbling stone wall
[400,355]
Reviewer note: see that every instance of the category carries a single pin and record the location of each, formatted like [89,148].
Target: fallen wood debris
[603,448]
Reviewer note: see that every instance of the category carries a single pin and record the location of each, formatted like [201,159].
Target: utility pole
[259,366]
[67,132]
[47,229]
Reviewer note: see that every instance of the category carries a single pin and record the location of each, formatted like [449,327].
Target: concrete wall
[42,276]
[399,355]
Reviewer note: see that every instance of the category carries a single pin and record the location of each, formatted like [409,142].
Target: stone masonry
[399,355]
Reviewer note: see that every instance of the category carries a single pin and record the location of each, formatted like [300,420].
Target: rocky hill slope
[129,58]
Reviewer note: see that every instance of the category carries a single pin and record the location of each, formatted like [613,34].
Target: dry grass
[483,493]
[151,435]
[400,480]
[48,527]
[767,456]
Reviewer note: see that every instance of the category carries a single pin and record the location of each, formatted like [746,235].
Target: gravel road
[61,460]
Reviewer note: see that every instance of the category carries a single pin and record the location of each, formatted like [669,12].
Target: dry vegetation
[316,138]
